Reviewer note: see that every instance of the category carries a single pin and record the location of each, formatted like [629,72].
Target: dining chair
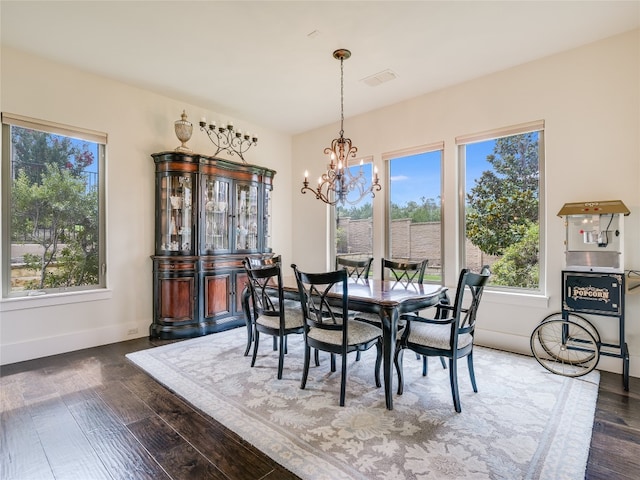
[256,262]
[272,314]
[406,273]
[450,334]
[403,272]
[329,330]
[357,269]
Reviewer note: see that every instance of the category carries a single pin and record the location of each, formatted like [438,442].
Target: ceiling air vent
[380,77]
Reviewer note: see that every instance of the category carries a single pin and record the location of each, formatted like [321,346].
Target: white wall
[138,123]
[589,99]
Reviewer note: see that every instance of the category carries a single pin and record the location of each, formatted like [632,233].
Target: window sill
[534,300]
[53,299]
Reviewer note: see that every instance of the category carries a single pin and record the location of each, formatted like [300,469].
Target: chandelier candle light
[338,182]
[227,138]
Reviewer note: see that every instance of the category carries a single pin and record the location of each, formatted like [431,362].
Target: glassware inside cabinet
[216,214]
[175,213]
[247,217]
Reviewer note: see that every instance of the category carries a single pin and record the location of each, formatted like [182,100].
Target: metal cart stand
[593,283]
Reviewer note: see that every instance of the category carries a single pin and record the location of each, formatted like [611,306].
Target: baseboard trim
[47,346]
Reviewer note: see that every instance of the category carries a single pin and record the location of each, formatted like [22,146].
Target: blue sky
[417,176]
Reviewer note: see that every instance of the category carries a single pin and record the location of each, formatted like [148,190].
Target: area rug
[524,422]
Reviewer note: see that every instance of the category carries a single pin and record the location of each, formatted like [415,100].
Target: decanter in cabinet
[210,214]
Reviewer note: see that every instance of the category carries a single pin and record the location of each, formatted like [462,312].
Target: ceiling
[271,63]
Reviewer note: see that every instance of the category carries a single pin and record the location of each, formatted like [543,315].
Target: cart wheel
[550,348]
[565,347]
[572,317]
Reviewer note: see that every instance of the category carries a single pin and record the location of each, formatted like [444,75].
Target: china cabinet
[210,214]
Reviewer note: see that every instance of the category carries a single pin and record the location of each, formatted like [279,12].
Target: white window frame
[65,295]
[461,142]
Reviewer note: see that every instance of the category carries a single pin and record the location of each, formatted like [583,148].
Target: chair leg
[378,362]
[471,372]
[305,368]
[398,362]
[286,343]
[453,377]
[248,320]
[333,362]
[343,379]
[249,338]
[316,354]
[358,356]
[283,342]
[256,341]
[275,344]
[444,364]
[425,366]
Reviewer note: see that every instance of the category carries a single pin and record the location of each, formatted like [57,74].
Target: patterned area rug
[524,423]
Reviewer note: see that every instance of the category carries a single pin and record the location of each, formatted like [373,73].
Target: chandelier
[227,138]
[339,183]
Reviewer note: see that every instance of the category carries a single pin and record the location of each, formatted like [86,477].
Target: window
[414,209]
[52,207]
[502,204]
[354,221]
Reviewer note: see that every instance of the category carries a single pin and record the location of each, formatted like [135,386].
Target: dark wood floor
[92,415]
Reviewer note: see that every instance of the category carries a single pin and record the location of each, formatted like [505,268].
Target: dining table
[389,299]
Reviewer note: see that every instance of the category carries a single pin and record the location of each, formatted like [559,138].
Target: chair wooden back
[313,289]
[356,268]
[263,261]
[265,286]
[404,272]
[468,295]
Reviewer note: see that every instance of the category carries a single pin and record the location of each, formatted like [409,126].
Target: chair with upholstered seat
[403,272]
[357,268]
[406,273]
[331,330]
[256,262]
[450,334]
[272,314]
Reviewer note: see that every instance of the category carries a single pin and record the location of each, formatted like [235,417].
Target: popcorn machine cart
[593,284]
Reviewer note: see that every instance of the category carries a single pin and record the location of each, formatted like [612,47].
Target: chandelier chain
[341,97]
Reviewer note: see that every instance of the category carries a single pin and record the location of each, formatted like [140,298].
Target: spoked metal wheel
[572,317]
[566,347]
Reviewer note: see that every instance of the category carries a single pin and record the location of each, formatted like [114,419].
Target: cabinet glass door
[267,219]
[175,214]
[215,197]
[246,216]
